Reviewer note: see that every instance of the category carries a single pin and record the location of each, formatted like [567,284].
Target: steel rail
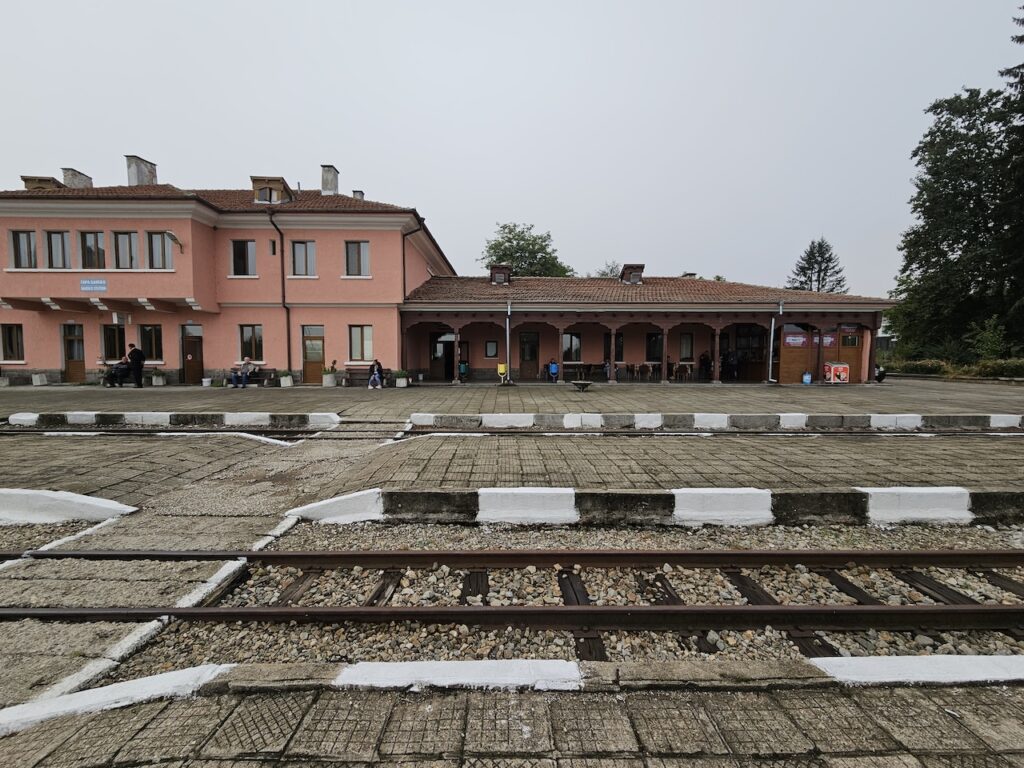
[594,558]
[576,617]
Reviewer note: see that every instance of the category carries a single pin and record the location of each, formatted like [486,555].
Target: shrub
[934,367]
[400,374]
[1011,367]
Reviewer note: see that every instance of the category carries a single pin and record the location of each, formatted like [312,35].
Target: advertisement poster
[794,340]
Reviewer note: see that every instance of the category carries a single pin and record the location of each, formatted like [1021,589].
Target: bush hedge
[1012,367]
[940,367]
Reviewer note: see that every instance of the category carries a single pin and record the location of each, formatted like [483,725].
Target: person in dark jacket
[117,373]
[136,358]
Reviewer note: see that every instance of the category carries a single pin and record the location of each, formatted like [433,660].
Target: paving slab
[44,593]
[177,731]
[29,747]
[674,724]
[995,715]
[754,724]
[343,726]
[591,724]
[426,726]
[600,762]
[102,737]
[49,638]
[507,724]
[27,675]
[260,725]
[119,570]
[917,722]
[874,761]
[508,762]
[965,761]
[834,722]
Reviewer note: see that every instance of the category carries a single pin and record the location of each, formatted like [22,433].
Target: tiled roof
[225,200]
[611,290]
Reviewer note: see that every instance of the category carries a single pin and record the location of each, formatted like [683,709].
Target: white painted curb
[938,505]
[895,420]
[148,418]
[572,421]
[722,506]
[324,420]
[81,417]
[922,669]
[247,419]
[224,573]
[24,419]
[529,506]
[506,420]
[1004,421]
[351,508]
[793,420]
[422,419]
[591,421]
[647,420]
[25,505]
[541,675]
[170,684]
[711,421]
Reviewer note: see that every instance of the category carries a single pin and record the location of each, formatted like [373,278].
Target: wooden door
[313,359]
[442,356]
[529,350]
[74,353]
[192,359]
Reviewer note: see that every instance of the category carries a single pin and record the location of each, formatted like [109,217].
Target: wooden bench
[581,385]
[360,375]
[261,377]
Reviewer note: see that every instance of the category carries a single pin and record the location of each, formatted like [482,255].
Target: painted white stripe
[591,421]
[27,505]
[24,419]
[506,420]
[722,506]
[81,417]
[895,420]
[283,527]
[76,434]
[530,506]
[937,505]
[350,508]
[247,419]
[75,536]
[326,420]
[148,418]
[793,420]
[180,683]
[711,420]
[542,675]
[1004,421]
[647,420]
[422,419]
[198,594]
[572,421]
[243,435]
[922,669]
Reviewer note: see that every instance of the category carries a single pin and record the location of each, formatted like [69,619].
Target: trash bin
[463,370]
[837,373]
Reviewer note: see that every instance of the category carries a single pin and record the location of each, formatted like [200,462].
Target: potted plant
[159,379]
[401,378]
[330,378]
[285,378]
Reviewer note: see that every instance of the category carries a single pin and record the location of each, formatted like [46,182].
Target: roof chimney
[328,180]
[632,273]
[501,274]
[689,274]
[76,179]
[141,173]
[358,194]
[41,182]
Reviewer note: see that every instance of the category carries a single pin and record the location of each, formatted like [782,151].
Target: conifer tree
[818,269]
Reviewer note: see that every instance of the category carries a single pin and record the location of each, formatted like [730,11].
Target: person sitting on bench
[376,375]
[118,373]
[241,373]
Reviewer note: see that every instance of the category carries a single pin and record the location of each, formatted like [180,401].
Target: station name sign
[92,284]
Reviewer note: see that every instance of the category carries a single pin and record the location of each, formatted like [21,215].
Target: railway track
[939,606]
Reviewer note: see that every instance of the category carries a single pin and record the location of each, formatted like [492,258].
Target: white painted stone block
[23,419]
[938,505]
[908,421]
[591,421]
[529,506]
[350,508]
[324,420]
[572,421]
[39,380]
[896,420]
[722,506]
[922,669]
[711,421]
[422,419]
[81,417]
[247,419]
[148,418]
[506,420]
[647,420]
[542,675]
[26,505]
[883,420]
[793,420]
[1004,421]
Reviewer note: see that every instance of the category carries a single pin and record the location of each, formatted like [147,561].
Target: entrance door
[192,353]
[74,353]
[312,354]
[529,349]
[442,356]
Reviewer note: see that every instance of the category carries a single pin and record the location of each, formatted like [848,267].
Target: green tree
[610,269]
[988,339]
[818,269]
[1011,265]
[528,253]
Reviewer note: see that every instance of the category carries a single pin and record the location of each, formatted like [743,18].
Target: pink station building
[296,279]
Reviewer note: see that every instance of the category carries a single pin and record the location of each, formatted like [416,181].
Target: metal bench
[581,385]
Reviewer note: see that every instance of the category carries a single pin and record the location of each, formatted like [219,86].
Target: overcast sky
[712,137]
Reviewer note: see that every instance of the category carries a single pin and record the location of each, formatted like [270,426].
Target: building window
[159,250]
[268,195]
[12,343]
[304,258]
[571,348]
[618,347]
[151,341]
[357,259]
[113,342]
[23,250]
[360,342]
[126,250]
[655,343]
[273,247]
[686,347]
[850,340]
[243,258]
[58,246]
[490,349]
[93,253]
[251,339]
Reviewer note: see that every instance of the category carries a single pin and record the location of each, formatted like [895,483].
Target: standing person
[553,371]
[136,358]
[376,375]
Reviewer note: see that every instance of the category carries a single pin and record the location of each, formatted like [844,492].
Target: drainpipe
[508,342]
[401,334]
[771,345]
[284,302]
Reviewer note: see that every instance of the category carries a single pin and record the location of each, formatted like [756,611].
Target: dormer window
[635,277]
[271,189]
[499,278]
[500,274]
[632,274]
[268,195]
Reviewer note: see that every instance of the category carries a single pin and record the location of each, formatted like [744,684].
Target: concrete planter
[207,382]
[402,382]
[159,380]
[287,381]
[39,380]
[330,380]
[5,381]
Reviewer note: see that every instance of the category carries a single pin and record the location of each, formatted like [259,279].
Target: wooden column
[559,357]
[716,359]
[819,374]
[456,329]
[664,355]
[872,351]
[614,329]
